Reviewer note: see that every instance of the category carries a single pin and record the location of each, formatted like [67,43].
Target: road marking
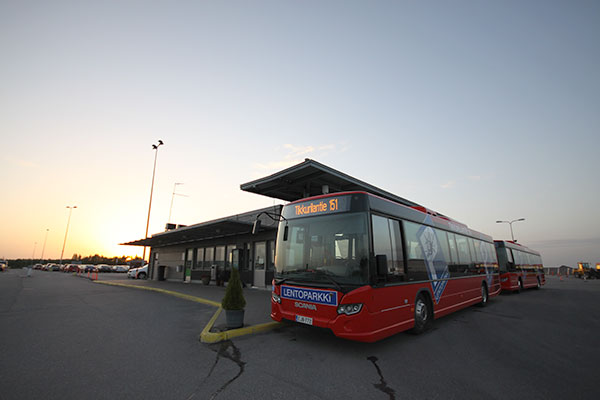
[206,336]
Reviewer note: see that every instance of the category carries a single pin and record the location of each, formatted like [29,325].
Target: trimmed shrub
[234,295]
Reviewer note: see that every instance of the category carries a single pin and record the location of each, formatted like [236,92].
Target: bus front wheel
[423,314]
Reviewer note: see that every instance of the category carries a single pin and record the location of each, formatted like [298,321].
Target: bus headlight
[275,297]
[349,309]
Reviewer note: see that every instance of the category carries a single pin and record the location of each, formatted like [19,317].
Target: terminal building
[206,252]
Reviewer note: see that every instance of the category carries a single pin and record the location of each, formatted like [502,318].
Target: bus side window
[453,263]
[502,259]
[442,260]
[464,255]
[492,254]
[396,272]
[473,270]
[510,264]
[416,269]
[387,241]
[517,258]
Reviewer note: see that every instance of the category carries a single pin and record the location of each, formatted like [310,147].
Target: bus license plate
[304,320]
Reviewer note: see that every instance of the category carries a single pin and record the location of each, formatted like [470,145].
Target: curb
[206,336]
[215,337]
[169,292]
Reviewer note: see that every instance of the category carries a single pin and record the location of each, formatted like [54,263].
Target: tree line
[79,259]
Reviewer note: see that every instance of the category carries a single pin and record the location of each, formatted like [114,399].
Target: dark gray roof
[307,179]
[224,227]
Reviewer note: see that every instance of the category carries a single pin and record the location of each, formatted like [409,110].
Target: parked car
[121,268]
[104,268]
[90,268]
[138,273]
[53,267]
[72,268]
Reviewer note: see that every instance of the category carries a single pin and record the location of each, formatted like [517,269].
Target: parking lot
[63,337]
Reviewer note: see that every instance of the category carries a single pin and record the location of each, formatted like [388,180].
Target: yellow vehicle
[585,271]
[3,265]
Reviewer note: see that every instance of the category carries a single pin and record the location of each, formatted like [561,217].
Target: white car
[138,273]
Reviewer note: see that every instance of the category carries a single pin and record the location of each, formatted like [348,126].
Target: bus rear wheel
[423,315]
[484,296]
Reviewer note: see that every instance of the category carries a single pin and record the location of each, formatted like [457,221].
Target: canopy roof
[229,226]
[308,179]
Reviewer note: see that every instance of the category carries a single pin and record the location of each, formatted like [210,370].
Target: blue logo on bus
[325,297]
[437,267]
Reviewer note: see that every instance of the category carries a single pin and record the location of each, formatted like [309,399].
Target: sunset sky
[480,110]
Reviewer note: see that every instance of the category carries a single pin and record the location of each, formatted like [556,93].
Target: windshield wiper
[305,273]
[328,276]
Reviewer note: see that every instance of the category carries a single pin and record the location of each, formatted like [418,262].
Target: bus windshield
[325,249]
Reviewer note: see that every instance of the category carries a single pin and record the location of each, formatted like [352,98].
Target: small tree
[234,295]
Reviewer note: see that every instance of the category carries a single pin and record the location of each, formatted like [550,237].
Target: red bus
[366,267]
[520,267]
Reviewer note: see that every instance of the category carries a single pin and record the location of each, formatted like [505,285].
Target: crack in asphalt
[382,385]
[223,351]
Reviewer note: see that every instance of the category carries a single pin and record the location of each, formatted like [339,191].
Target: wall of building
[170,258]
[186,256]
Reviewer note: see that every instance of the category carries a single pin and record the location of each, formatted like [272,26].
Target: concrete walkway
[256,316]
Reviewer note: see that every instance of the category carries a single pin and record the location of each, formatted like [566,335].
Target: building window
[229,258]
[199,259]
[189,258]
[260,255]
[220,257]
[208,258]
[271,260]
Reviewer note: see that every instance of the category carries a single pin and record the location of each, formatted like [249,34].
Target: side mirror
[256,226]
[382,267]
[285,233]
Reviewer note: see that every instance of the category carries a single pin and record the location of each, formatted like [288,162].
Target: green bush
[234,295]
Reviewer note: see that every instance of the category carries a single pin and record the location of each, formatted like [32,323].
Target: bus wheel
[484,296]
[423,315]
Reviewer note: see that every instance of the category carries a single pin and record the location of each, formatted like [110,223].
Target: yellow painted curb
[214,337]
[206,336]
[153,289]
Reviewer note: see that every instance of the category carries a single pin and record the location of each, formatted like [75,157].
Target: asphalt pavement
[258,301]
[67,338]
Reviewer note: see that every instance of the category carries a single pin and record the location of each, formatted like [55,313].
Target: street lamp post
[33,255]
[172,197]
[44,247]
[155,147]
[510,224]
[66,232]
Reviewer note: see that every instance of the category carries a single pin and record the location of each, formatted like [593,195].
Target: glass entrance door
[260,263]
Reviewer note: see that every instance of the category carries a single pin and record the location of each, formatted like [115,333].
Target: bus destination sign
[321,206]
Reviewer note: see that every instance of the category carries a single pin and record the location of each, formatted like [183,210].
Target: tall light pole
[44,247]
[155,147]
[172,197]
[33,255]
[511,229]
[66,232]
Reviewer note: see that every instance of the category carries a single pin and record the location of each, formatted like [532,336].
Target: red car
[72,268]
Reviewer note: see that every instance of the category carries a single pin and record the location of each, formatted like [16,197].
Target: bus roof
[517,246]
[414,213]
